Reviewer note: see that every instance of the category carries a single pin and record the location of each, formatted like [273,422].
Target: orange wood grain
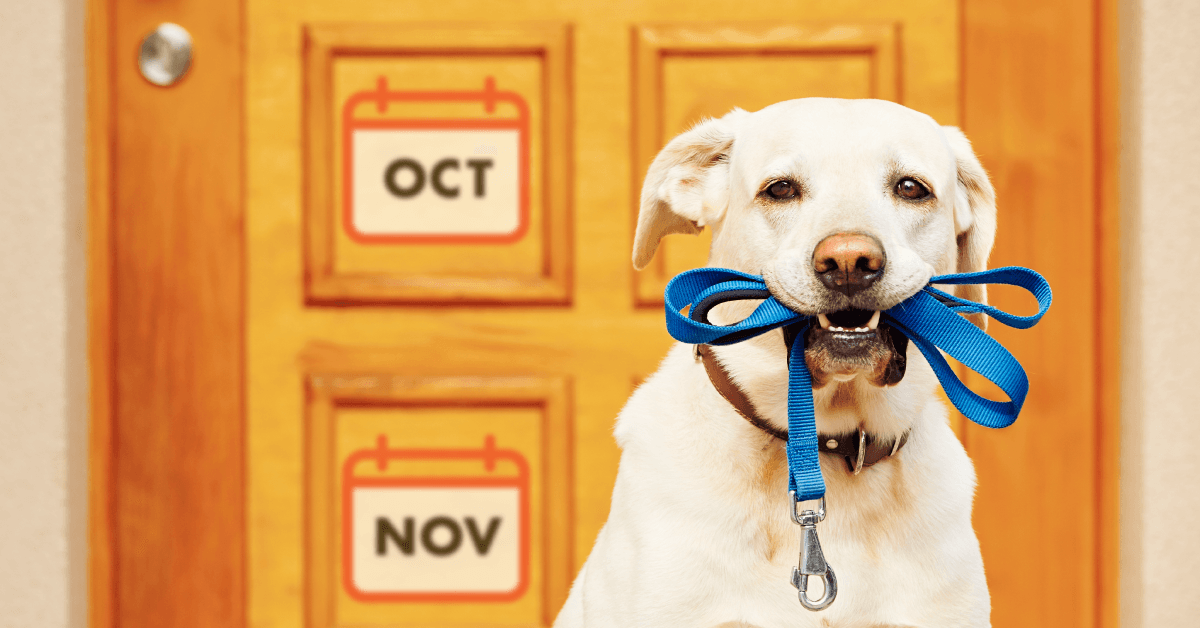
[1038,105]
[167,289]
[324,283]
[1108,329]
[101,577]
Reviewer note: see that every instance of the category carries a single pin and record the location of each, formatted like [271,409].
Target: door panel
[168,354]
[684,73]
[423,443]
[366,81]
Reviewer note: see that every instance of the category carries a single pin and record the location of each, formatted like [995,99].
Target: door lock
[165,54]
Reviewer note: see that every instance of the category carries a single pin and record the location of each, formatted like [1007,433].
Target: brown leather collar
[860,449]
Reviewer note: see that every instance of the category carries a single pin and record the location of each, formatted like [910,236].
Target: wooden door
[296,358]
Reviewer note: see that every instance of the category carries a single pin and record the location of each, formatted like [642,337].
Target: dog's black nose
[849,262]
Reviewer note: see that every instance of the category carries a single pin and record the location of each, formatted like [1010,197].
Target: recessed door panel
[686,73]
[428,179]
[436,499]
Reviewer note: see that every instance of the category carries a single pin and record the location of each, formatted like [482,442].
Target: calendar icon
[435,166]
[435,525]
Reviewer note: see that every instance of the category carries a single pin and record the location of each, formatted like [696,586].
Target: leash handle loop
[1009,275]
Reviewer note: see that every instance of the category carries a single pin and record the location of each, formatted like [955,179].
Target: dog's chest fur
[699,533]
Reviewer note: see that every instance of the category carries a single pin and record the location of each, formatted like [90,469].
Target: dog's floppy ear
[974,217]
[686,187]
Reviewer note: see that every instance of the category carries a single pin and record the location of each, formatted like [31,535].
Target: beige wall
[42,319]
[1160,488]
[42,314]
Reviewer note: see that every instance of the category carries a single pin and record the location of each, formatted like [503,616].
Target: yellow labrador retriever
[846,207]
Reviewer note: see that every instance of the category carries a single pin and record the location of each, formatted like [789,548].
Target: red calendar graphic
[409,177]
[435,537]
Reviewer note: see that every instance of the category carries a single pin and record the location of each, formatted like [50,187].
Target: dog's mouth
[853,343]
[852,321]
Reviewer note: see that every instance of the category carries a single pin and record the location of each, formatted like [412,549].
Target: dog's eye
[911,189]
[781,190]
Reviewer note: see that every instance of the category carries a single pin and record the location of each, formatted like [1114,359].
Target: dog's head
[845,207]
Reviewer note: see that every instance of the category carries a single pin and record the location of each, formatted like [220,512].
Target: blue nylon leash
[930,319]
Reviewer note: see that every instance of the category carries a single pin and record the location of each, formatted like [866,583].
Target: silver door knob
[165,54]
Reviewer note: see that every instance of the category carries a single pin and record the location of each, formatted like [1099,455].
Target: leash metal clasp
[812,559]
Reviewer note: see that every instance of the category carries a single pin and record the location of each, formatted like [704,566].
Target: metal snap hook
[812,559]
[800,581]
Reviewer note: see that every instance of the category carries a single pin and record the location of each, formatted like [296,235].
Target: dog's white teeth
[825,324]
[874,322]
